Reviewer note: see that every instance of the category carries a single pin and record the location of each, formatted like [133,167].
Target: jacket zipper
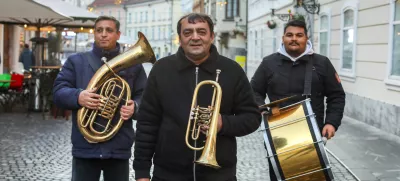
[195,141]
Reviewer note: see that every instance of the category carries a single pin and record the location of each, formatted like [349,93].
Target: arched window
[348,39]
[324,33]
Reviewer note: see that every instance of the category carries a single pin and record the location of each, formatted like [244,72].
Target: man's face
[106,34]
[196,39]
[295,40]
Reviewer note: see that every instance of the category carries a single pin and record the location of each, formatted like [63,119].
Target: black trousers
[159,179]
[90,169]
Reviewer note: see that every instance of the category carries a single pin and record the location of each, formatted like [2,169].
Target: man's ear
[119,34]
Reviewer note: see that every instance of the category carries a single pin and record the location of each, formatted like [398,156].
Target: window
[393,76]
[152,33]
[154,14]
[130,18]
[348,40]
[324,34]
[232,9]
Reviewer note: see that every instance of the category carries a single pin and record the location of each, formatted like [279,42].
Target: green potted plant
[271,24]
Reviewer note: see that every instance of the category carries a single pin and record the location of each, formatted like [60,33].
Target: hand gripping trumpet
[205,116]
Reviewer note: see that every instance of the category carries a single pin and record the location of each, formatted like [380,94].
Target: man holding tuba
[110,156]
[169,111]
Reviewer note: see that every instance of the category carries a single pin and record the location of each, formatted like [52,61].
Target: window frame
[233,10]
[349,74]
[325,12]
[392,81]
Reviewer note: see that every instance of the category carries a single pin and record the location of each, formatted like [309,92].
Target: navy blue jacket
[27,58]
[73,78]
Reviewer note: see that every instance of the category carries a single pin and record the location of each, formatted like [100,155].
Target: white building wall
[1,47]
[372,96]
[186,6]
[263,41]
[156,26]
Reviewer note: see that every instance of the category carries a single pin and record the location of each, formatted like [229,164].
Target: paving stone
[37,149]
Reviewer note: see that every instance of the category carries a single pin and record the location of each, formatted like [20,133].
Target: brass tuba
[112,89]
[205,116]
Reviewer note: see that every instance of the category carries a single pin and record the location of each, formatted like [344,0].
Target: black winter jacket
[279,77]
[164,114]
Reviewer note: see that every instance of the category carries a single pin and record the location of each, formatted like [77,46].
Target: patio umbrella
[81,17]
[31,13]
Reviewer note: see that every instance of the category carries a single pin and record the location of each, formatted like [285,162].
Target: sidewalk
[368,152]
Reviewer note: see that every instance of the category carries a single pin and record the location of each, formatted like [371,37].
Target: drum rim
[273,161]
[320,149]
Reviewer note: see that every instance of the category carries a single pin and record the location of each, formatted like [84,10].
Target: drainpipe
[172,26]
[247,35]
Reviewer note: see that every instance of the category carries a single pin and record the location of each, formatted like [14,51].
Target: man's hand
[89,99]
[205,128]
[328,131]
[127,111]
[143,179]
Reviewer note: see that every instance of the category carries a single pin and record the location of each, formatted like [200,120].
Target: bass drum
[294,143]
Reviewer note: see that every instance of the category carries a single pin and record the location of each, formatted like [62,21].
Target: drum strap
[308,77]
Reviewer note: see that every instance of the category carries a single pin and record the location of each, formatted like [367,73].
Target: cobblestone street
[35,149]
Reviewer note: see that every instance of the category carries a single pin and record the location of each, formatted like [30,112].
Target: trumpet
[205,116]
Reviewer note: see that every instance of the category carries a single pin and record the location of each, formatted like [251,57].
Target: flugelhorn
[99,125]
[201,116]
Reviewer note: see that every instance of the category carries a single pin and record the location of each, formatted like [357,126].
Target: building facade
[157,21]
[362,40]
[230,27]
[110,8]
[186,6]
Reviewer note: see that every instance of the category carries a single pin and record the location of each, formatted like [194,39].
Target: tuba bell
[205,116]
[99,125]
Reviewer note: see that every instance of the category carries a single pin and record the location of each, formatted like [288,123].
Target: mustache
[293,43]
[195,42]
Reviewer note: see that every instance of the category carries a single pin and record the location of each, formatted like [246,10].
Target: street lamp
[283,17]
[310,6]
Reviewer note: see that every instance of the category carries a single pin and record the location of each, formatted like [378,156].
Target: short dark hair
[296,23]
[193,17]
[111,18]
[26,45]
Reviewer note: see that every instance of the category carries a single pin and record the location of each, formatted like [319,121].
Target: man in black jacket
[282,75]
[164,113]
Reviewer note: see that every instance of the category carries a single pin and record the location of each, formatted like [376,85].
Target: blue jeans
[90,169]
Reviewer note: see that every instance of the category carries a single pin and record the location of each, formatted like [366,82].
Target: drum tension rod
[290,122]
[328,167]
[295,148]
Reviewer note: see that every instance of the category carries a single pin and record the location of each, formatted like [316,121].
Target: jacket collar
[103,53]
[283,58]
[209,65]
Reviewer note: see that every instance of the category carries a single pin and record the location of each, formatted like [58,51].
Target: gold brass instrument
[112,89]
[205,116]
